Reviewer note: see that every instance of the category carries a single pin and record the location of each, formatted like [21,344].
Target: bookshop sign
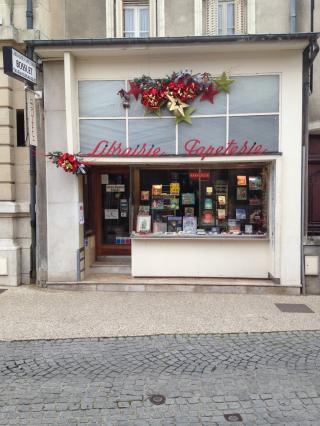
[192,148]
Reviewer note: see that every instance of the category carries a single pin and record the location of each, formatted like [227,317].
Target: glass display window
[211,201]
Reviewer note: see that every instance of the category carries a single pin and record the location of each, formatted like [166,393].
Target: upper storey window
[225,17]
[136,18]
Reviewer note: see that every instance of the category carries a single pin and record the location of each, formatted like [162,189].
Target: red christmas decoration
[181,87]
[70,163]
[134,89]
[209,93]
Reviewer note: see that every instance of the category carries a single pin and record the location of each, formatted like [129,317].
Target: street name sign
[18,65]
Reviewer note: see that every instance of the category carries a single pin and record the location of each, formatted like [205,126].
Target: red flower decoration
[70,163]
[151,98]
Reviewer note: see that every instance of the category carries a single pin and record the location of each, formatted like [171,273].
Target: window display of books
[221,203]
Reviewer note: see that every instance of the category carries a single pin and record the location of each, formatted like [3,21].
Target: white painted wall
[62,188]
[200,258]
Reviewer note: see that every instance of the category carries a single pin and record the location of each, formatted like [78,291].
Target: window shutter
[240,16]
[212,17]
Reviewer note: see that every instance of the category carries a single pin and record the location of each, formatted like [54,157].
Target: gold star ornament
[176,106]
[223,83]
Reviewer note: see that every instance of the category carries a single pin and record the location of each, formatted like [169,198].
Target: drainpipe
[311,29]
[309,55]
[293,16]
[29,15]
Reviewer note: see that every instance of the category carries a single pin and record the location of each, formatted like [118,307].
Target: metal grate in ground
[298,308]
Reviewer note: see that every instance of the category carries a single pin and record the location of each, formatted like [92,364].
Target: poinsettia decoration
[176,92]
[70,163]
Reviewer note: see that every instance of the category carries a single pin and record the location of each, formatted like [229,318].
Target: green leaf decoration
[186,117]
[223,83]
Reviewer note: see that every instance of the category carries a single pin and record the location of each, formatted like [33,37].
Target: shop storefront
[212,189]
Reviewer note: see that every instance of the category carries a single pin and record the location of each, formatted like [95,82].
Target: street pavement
[28,312]
[266,378]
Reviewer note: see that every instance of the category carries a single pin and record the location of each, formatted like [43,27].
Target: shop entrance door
[113,212]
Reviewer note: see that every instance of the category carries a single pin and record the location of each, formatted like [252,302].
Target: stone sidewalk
[33,313]
[258,379]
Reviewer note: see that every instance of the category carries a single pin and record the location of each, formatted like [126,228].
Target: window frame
[224,29]
[242,168]
[243,17]
[137,33]
[227,114]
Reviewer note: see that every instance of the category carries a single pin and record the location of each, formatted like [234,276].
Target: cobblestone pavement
[267,378]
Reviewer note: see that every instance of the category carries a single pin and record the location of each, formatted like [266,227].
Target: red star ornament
[209,93]
[134,89]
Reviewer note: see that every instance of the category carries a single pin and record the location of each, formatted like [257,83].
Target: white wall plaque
[32,118]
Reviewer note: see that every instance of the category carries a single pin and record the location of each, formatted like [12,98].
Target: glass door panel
[115,193]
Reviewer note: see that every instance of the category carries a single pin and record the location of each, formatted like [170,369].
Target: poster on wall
[115,188]
[81,214]
[123,207]
[32,117]
[104,179]
[143,224]
[111,214]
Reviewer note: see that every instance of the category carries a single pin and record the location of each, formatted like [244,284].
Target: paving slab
[29,312]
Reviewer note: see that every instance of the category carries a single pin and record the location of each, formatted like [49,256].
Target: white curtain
[144,22]
[129,30]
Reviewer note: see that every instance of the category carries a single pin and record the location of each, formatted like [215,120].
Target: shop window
[225,17]
[135,18]
[264,129]
[250,112]
[254,94]
[206,108]
[163,133]
[203,202]
[202,129]
[99,98]
[94,131]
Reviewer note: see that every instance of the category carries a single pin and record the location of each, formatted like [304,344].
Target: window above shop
[225,17]
[135,18]
[226,24]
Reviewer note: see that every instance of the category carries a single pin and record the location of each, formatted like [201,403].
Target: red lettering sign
[199,175]
[192,148]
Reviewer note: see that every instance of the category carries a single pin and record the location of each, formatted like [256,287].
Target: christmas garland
[70,163]
[175,92]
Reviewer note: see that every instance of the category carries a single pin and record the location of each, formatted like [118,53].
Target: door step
[120,283]
[111,265]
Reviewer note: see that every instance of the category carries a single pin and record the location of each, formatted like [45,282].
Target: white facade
[278,255]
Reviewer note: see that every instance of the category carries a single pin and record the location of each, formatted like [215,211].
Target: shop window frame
[268,166]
